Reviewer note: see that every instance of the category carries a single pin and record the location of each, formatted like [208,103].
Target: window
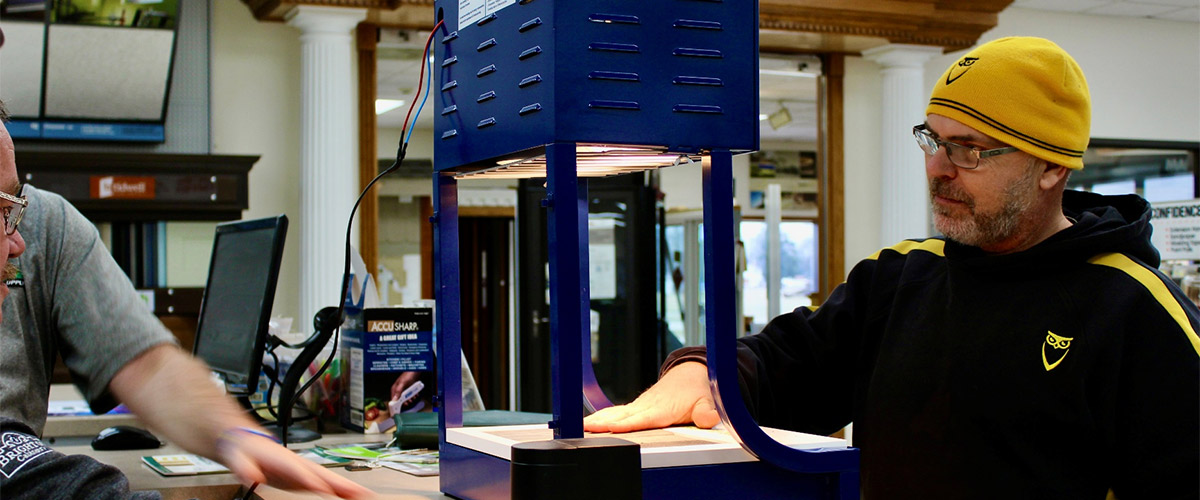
[798,261]
[1156,170]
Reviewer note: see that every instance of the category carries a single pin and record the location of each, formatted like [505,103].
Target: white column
[904,200]
[329,150]
[773,204]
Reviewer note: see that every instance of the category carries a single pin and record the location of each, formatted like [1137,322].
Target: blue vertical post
[448,306]
[722,342]
[719,274]
[568,286]
[593,396]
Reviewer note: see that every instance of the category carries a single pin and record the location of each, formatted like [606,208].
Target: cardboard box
[388,366]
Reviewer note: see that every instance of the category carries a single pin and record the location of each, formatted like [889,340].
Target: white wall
[683,186]
[420,145]
[863,85]
[1143,74]
[256,111]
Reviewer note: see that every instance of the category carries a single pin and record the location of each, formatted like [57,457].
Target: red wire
[420,79]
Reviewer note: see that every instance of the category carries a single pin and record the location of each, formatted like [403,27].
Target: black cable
[249,492]
[346,270]
[273,377]
[276,342]
[401,151]
[272,373]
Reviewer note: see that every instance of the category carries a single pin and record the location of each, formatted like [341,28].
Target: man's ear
[1053,175]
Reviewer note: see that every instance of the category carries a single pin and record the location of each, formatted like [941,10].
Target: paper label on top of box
[398,351]
[471,11]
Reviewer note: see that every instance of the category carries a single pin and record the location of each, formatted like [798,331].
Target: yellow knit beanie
[1023,91]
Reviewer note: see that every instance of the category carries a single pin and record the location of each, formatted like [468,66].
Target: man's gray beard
[10,271]
[980,230]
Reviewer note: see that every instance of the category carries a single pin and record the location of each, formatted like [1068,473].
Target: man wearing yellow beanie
[1016,94]
[1034,351]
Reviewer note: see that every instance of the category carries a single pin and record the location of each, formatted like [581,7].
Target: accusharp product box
[388,366]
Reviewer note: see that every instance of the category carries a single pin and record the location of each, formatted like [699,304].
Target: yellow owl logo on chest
[1055,343]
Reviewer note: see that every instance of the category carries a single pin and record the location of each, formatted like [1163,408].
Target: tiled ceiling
[1172,10]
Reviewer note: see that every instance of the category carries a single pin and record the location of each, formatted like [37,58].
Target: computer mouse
[124,437]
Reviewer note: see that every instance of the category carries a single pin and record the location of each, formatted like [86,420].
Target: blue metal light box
[573,89]
[678,75]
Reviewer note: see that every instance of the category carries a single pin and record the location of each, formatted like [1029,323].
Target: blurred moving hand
[255,459]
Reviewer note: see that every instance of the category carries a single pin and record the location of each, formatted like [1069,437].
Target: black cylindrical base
[581,469]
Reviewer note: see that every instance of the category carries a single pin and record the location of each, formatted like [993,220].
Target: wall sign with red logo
[122,187]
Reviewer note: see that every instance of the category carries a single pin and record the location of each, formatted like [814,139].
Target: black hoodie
[1058,372]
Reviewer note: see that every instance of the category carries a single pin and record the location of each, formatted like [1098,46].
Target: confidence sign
[1176,229]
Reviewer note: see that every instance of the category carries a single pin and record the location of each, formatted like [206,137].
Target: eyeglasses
[13,213]
[963,156]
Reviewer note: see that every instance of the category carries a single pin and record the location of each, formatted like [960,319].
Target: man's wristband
[229,432]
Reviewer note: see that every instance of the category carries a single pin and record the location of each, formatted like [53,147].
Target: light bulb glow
[591,160]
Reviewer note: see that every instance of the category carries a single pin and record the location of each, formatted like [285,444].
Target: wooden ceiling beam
[950,24]
[848,26]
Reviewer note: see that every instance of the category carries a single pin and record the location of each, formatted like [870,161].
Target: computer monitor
[231,334]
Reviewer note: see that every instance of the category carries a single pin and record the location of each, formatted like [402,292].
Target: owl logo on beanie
[960,69]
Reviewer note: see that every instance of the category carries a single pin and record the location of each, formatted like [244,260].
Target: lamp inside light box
[591,160]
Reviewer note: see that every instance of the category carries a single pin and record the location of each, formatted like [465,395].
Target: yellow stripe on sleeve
[934,246]
[1156,288]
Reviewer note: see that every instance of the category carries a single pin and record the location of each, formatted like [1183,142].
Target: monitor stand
[296,433]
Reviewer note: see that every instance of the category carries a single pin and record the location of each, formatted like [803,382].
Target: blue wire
[428,85]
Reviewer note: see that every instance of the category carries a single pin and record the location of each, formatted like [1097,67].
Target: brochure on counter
[183,465]
[415,462]
[418,462]
[192,465]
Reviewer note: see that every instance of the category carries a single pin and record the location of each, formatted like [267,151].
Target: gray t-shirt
[71,298]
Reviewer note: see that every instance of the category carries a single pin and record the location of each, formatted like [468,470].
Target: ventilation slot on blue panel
[698,80]
[696,108]
[530,52]
[697,25]
[532,108]
[614,75]
[613,47]
[486,122]
[530,24]
[451,60]
[487,19]
[486,70]
[614,18]
[449,85]
[449,133]
[486,96]
[449,109]
[606,104]
[691,52]
[450,36]
[487,44]
[530,80]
